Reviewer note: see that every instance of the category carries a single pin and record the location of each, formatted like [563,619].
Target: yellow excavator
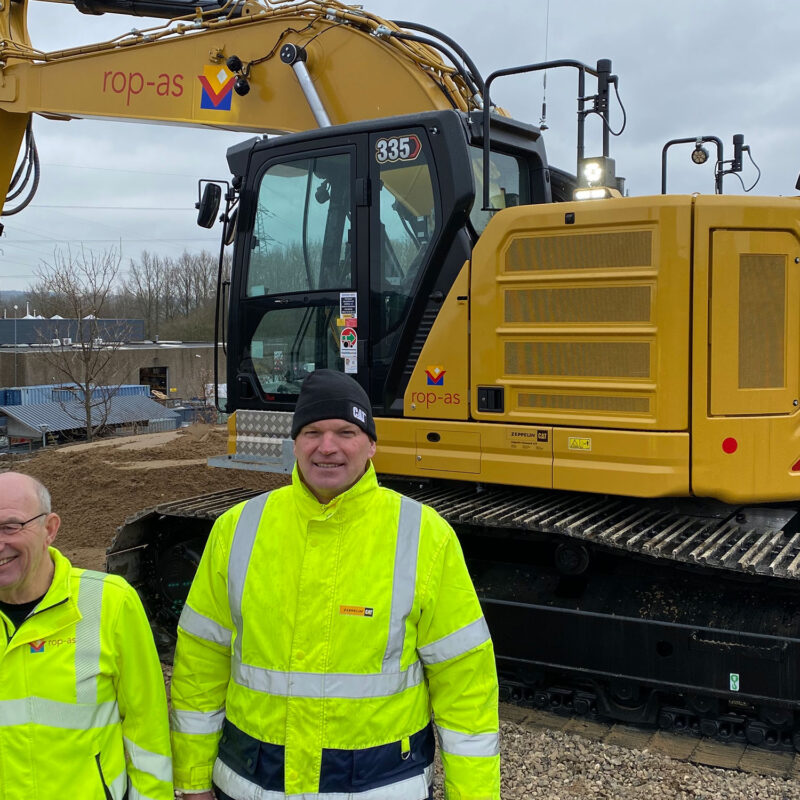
[600,392]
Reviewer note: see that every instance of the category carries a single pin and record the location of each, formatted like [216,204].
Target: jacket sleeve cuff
[194,779]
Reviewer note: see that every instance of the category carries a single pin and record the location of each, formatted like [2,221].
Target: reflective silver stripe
[468,744]
[337,685]
[160,767]
[87,636]
[198,722]
[119,785]
[403,584]
[53,714]
[235,785]
[456,643]
[239,560]
[203,627]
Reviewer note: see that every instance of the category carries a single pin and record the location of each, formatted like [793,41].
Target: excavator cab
[348,240]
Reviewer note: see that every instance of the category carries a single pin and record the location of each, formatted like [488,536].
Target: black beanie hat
[328,394]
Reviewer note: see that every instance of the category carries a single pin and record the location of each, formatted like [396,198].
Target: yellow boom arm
[176,73]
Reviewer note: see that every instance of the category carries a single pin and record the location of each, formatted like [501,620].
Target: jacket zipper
[106,790]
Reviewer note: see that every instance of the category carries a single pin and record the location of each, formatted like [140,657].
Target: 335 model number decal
[397,148]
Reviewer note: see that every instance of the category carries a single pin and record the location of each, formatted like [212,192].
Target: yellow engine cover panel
[518,455]
[746,349]
[636,463]
[448,450]
[581,312]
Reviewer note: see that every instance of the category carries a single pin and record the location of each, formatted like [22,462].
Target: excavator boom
[181,73]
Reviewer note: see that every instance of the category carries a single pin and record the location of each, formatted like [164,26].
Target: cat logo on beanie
[329,394]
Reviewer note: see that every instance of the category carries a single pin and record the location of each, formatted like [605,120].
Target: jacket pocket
[376,766]
[106,790]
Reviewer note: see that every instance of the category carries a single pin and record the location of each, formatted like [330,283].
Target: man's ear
[52,524]
[373,446]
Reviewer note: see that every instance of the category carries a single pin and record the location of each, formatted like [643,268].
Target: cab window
[407,226]
[302,230]
[507,185]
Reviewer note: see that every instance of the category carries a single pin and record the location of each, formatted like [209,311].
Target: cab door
[299,288]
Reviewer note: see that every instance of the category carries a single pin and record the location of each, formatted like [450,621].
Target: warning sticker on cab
[579,443]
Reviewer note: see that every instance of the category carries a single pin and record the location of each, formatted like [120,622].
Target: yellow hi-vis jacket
[83,710]
[316,643]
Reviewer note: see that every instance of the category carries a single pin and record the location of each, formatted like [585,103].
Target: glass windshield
[302,231]
[290,343]
[505,185]
[408,219]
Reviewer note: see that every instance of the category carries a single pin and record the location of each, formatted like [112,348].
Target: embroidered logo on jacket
[356,611]
[37,646]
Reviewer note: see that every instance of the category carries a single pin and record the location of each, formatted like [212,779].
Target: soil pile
[96,486]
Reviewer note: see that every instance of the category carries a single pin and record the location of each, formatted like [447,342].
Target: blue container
[133,390]
[33,395]
[65,395]
[13,397]
[2,397]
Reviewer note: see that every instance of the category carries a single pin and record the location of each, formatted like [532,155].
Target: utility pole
[15,345]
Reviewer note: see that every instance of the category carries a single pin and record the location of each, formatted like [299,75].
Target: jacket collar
[57,595]
[60,587]
[308,505]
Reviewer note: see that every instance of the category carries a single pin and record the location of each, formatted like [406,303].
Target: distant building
[39,330]
[176,370]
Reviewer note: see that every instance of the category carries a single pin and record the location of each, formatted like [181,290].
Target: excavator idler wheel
[703,705]
[571,558]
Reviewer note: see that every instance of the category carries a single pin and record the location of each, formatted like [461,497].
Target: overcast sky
[685,68]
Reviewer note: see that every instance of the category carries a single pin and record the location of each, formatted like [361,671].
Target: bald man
[82,702]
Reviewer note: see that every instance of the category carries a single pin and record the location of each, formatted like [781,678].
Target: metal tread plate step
[646,527]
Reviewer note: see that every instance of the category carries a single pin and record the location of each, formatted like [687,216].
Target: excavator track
[614,641]
[738,540]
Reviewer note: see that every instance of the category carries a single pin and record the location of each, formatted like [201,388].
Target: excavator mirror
[230,227]
[208,206]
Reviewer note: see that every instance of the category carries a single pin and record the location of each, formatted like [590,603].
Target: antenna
[543,119]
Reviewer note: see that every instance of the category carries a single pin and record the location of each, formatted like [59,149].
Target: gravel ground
[549,764]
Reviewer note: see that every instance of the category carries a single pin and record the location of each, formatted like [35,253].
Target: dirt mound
[96,487]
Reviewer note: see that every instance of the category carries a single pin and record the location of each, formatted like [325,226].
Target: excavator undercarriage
[673,614]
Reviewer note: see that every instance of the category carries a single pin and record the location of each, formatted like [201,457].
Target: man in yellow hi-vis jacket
[331,632]
[83,710]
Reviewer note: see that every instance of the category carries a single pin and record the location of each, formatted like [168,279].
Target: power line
[118,208]
[9,243]
[116,169]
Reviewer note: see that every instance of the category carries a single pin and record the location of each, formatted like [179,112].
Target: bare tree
[80,284]
[148,284]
